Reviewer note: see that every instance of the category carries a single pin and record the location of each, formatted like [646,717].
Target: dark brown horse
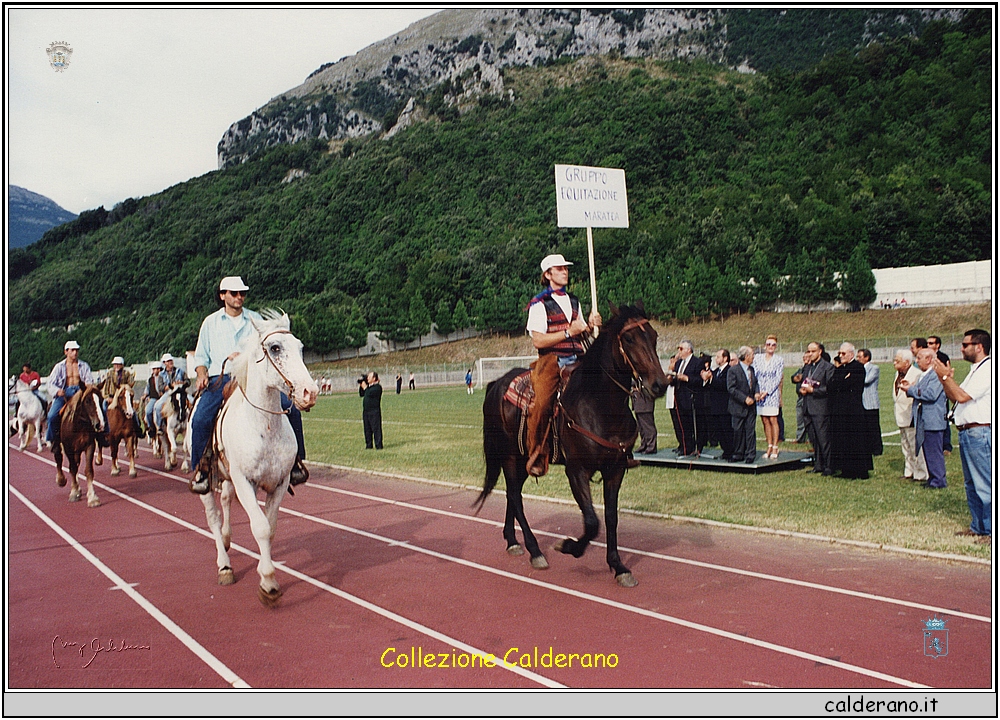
[595,427]
[122,426]
[80,422]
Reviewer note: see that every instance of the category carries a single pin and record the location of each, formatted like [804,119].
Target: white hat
[118,360]
[71,345]
[552,261]
[156,365]
[232,282]
[167,357]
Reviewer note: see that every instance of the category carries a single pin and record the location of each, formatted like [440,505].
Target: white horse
[175,421]
[255,443]
[30,418]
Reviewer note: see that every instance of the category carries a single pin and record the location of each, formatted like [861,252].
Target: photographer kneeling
[370,389]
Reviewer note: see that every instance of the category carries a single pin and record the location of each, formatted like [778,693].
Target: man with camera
[371,409]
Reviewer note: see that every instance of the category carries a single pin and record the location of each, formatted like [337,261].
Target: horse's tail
[496,443]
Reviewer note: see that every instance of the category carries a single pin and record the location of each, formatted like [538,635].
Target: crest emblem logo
[59,54]
[935,638]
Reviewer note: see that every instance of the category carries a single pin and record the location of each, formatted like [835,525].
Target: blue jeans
[977,446]
[208,406]
[52,432]
[150,405]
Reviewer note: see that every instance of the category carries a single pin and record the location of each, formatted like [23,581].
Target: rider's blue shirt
[220,336]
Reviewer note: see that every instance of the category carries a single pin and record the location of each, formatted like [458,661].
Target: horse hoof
[269,598]
[115,472]
[626,579]
[540,563]
[133,473]
[74,497]
[515,551]
[226,576]
[60,481]
[168,467]
[185,468]
[98,459]
[95,502]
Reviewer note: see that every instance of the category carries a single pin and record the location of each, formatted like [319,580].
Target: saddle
[521,395]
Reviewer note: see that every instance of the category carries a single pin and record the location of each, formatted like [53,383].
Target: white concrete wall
[928,285]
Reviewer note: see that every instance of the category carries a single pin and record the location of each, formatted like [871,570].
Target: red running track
[125,596]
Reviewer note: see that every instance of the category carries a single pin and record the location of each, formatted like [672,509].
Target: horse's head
[280,354]
[85,409]
[123,400]
[634,348]
[179,399]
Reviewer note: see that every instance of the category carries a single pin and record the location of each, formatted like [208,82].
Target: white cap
[232,282]
[167,357]
[71,345]
[156,365]
[552,261]
[118,360]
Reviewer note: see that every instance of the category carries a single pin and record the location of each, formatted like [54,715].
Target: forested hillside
[868,159]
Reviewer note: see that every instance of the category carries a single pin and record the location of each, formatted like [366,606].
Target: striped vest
[557,323]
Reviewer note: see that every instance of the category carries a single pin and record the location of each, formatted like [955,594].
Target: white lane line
[189,642]
[388,614]
[556,588]
[610,603]
[672,558]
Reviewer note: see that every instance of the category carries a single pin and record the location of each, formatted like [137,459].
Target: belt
[969,426]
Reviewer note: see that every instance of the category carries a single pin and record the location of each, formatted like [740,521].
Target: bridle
[288,383]
[642,324]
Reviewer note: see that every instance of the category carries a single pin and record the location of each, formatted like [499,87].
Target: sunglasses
[770,344]
[969,344]
[234,293]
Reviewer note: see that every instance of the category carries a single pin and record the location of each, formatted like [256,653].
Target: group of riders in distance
[571,407]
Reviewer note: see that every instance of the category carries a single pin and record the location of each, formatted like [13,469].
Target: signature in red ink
[88,651]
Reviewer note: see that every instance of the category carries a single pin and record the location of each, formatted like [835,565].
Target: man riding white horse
[34,381]
[173,377]
[218,340]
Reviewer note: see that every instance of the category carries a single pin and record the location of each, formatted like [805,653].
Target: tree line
[744,190]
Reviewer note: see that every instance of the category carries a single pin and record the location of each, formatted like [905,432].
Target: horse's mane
[592,358]
[273,320]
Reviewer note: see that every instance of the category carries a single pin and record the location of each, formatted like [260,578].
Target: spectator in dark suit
[870,401]
[720,423]
[687,384]
[850,450]
[741,384]
[814,381]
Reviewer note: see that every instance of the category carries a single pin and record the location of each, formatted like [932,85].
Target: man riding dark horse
[556,325]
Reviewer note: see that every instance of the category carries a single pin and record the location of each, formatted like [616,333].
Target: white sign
[591,197]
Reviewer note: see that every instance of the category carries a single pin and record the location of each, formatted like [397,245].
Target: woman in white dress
[770,370]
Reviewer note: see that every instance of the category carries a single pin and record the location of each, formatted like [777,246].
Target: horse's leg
[269,591]
[24,433]
[98,455]
[226,576]
[271,504]
[92,499]
[58,457]
[612,486]
[73,460]
[579,483]
[115,470]
[515,474]
[226,500]
[131,443]
[157,444]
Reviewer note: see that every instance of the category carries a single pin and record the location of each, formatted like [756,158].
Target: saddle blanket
[520,393]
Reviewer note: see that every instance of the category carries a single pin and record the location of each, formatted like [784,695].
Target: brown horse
[80,422]
[122,426]
[595,428]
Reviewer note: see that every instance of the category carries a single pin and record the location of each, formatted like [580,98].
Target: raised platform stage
[710,459]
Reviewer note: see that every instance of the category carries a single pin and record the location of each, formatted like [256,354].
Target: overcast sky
[149,92]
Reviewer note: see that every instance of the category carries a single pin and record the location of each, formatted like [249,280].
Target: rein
[288,382]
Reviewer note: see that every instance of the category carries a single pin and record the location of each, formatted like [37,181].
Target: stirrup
[299,473]
[538,463]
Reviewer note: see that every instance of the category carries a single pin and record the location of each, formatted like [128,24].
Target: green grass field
[437,434]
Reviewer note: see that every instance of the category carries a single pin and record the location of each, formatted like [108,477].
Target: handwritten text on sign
[591,197]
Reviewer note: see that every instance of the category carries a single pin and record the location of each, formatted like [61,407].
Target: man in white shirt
[555,323]
[972,416]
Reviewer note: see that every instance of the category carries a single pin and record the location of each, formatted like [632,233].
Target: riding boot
[545,383]
[299,472]
[631,462]
[201,481]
